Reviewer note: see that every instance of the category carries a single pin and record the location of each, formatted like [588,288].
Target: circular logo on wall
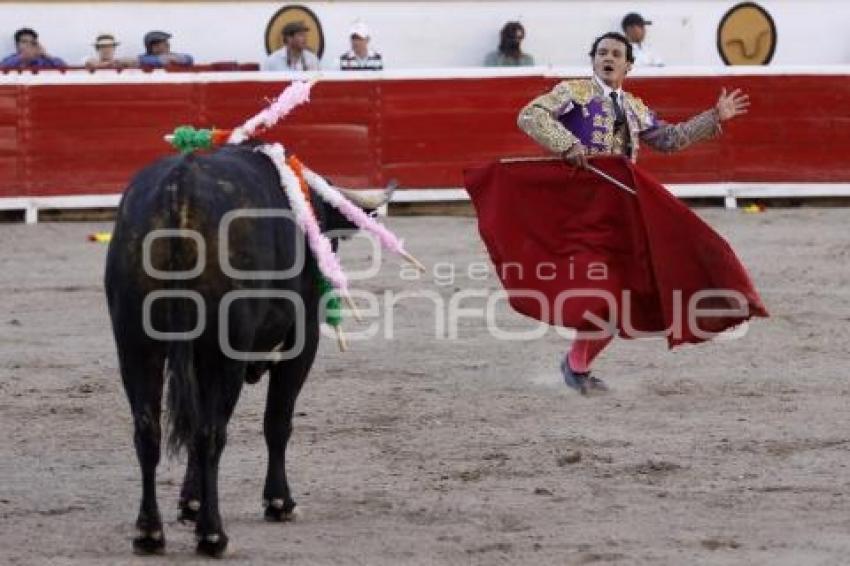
[746,35]
[291,14]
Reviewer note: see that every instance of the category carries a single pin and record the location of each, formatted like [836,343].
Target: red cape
[569,245]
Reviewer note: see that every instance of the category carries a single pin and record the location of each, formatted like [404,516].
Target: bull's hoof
[212,546]
[279,511]
[149,543]
[189,511]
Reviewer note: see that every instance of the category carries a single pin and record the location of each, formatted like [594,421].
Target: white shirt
[277,61]
[607,90]
[644,57]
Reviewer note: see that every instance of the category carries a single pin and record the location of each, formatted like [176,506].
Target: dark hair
[507,39]
[24,31]
[617,36]
[293,28]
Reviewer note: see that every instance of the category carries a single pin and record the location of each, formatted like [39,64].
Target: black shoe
[576,380]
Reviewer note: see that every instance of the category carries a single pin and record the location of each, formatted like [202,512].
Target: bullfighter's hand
[733,104]
[575,156]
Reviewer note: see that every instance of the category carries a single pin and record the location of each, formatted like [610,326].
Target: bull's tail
[183,410]
[183,401]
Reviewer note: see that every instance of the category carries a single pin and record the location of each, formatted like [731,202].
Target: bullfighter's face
[609,62]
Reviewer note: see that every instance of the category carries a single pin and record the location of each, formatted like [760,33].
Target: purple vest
[592,124]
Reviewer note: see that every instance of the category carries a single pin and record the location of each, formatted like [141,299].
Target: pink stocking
[583,352]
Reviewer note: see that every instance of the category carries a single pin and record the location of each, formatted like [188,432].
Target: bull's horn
[372,201]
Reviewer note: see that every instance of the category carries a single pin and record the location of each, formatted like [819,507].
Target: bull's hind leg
[141,370]
[190,493]
[285,381]
[209,530]
[220,384]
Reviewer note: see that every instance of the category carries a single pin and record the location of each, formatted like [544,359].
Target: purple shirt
[146,60]
[14,61]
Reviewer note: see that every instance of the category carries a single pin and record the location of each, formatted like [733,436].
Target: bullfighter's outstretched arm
[674,137]
[706,125]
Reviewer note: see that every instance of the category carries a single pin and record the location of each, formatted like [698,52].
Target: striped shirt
[351,62]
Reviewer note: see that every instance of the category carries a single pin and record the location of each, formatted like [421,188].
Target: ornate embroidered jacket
[578,111]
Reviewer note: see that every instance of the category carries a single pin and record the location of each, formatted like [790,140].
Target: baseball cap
[360,29]
[634,19]
[154,36]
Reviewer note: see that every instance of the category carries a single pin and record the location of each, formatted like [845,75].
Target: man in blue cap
[158,52]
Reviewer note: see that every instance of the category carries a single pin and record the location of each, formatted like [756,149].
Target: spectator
[294,55]
[634,28]
[360,57]
[158,51]
[30,54]
[510,52]
[104,58]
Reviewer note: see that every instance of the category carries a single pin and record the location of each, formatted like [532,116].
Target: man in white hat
[360,57]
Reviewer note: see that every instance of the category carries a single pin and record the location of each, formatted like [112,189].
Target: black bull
[196,193]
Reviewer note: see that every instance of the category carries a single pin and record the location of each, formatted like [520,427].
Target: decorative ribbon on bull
[292,96]
[333,314]
[296,181]
[295,177]
[188,139]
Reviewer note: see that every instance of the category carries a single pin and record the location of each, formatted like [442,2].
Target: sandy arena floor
[429,450]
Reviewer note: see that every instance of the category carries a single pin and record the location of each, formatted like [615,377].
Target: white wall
[432,34]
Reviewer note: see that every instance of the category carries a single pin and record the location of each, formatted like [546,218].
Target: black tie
[620,122]
[619,115]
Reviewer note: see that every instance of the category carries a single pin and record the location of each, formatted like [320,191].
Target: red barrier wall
[11,177]
[60,139]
